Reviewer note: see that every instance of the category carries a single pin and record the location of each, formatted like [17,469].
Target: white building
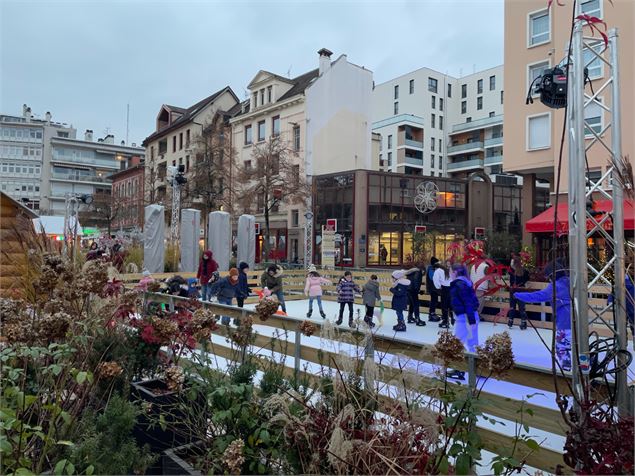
[423,119]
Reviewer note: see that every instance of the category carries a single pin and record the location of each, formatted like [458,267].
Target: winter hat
[397,275]
[312,269]
[433,260]
[243,265]
[233,272]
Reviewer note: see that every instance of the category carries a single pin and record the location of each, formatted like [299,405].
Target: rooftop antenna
[107,131]
[289,72]
[127,121]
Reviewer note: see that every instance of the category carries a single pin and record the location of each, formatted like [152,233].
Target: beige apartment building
[536,38]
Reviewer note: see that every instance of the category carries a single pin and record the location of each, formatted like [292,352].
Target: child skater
[370,295]
[399,291]
[346,290]
[313,289]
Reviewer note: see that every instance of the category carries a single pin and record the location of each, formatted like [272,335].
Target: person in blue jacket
[465,307]
[399,290]
[243,290]
[225,289]
[560,280]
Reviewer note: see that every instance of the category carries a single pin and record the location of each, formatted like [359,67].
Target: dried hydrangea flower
[307,328]
[174,378]
[448,348]
[496,356]
[233,457]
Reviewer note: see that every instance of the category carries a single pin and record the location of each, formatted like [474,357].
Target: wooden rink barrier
[537,378]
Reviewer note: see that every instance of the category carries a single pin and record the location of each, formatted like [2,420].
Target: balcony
[494,141]
[478,124]
[79,178]
[466,165]
[465,148]
[64,159]
[494,160]
[414,161]
[413,143]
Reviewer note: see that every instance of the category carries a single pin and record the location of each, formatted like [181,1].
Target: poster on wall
[328,248]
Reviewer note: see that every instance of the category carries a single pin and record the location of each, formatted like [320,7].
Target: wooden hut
[15,219]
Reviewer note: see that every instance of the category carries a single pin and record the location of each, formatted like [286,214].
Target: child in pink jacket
[313,289]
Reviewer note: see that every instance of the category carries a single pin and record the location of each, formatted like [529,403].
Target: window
[479,103]
[296,138]
[434,102]
[463,107]
[492,114]
[261,130]
[412,86]
[533,71]
[501,97]
[432,121]
[269,93]
[468,119]
[432,85]
[440,162]
[247,164]
[432,161]
[539,28]
[539,132]
[62,134]
[432,174]
[187,138]
[248,136]
[390,141]
[256,99]
[397,91]
[262,97]
[441,122]
[440,145]
[463,91]
[296,175]
[479,86]
[592,8]
[174,144]
[593,176]
[432,143]
[180,140]
[449,90]
[275,126]
[440,104]
[592,119]
[295,218]
[592,62]
[389,158]
[396,108]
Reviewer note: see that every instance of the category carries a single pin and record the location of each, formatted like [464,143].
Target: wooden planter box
[173,463]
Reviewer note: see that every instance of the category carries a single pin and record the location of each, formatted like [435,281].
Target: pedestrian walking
[205,274]
[346,289]
[415,276]
[432,291]
[399,303]
[243,290]
[272,280]
[558,277]
[313,289]
[370,295]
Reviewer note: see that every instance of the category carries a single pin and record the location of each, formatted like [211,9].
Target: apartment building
[536,38]
[127,191]
[324,117]
[79,166]
[173,143]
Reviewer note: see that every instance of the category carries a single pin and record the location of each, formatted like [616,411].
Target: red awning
[543,223]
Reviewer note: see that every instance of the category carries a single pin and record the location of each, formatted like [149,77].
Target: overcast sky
[84,60]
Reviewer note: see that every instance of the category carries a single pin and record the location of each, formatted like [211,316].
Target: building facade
[127,192]
[536,38]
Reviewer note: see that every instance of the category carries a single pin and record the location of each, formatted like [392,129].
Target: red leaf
[592,23]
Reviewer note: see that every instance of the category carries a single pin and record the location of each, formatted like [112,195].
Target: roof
[54,225]
[188,114]
[300,83]
[543,222]
[129,171]
[175,108]
[30,213]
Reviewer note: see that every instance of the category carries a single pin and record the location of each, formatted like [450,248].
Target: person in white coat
[441,280]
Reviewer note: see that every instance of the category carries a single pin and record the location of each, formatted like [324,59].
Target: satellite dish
[426,197]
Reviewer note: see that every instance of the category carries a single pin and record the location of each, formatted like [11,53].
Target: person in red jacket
[206,269]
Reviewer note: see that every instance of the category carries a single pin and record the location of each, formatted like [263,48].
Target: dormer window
[255,99]
[269,90]
[262,97]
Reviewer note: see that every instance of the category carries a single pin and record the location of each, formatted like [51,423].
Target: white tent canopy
[54,225]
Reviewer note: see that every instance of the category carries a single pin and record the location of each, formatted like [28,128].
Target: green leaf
[59,467]
[498,468]
[264,436]
[455,449]
[66,417]
[526,427]
[529,411]
[65,443]
[81,377]
[463,464]
[261,468]
[444,465]
[90,470]
[70,469]
[23,471]
[5,446]
[162,422]
[532,444]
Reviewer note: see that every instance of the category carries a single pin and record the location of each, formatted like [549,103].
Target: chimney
[24,108]
[109,139]
[134,144]
[123,142]
[27,114]
[47,116]
[88,135]
[325,60]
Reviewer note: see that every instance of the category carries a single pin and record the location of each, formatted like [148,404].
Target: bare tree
[275,177]
[104,210]
[210,175]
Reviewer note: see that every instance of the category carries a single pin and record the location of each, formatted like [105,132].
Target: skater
[441,280]
[557,275]
[313,289]
[465,307]
[272,280]
[243,290]
[399,292]
[225,290]
[370,295]
[432,291]
[206,269]
[117,257]
[518,277]
[415,275]
[478,272]
[346,290]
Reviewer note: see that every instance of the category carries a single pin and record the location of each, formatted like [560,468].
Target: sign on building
[328,247]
